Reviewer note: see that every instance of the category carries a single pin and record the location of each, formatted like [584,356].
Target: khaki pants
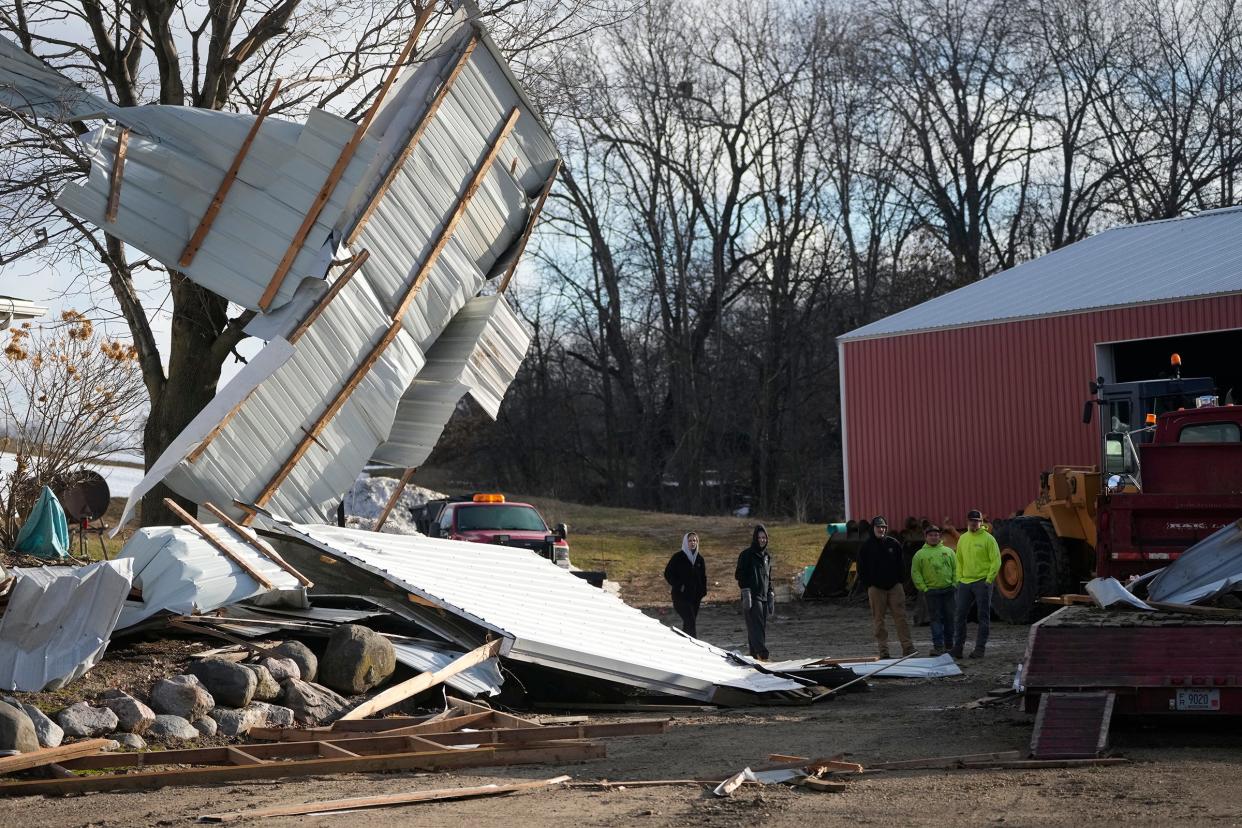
[892,601]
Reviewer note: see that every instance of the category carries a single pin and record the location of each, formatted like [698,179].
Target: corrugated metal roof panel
[170,179]
[1156,261]
[480,353]
[178,571]
[58,621]
[480,680]
[551,617]
[29,85]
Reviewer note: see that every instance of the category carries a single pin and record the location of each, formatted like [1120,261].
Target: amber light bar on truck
[489,498]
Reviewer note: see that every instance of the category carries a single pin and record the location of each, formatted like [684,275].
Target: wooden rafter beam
[530,227]
[424,272]
[423,681]
[189,520]
[416,135]
[117,176]
[437,760]
[256,544]
[342,162]
[230,175]
[392,500]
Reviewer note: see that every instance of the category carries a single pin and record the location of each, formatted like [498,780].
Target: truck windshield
[497,516]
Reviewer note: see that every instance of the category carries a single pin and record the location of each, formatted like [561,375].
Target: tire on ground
[1032,558]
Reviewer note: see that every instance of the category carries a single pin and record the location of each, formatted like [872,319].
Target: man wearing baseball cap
[978,561]
[882,572]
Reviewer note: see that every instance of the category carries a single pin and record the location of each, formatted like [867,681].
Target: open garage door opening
[1212,355]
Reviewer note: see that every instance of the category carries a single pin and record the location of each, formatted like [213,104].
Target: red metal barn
[962,401]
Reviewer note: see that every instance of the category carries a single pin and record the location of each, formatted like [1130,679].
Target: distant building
[18,310]
[962,401]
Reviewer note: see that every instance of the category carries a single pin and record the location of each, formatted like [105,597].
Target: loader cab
[1126,409]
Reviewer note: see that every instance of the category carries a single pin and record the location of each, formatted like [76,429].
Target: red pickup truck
[489,518]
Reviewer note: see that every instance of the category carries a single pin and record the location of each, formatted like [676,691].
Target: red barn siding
[942,421]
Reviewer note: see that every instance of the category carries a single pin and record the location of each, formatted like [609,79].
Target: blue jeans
[940,603]
[978,593]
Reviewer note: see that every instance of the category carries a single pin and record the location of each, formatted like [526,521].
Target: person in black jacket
[754,576]
[686,574]
[882,572]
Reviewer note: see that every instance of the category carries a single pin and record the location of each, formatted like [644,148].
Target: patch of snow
[367,499]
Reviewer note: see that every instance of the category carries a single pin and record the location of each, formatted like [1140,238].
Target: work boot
[884,654]
[905,651]
[936,650]
[956,652]
[977,652]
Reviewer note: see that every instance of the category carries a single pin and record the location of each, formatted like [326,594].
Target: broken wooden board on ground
[946,761]
[360,802]
[427,760]
[51,756]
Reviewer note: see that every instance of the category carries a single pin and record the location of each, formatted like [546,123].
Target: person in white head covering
[686,574]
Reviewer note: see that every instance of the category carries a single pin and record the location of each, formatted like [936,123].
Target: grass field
[633,546]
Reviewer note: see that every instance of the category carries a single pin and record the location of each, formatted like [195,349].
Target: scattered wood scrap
[1066,600]
[360,802]
[50,756]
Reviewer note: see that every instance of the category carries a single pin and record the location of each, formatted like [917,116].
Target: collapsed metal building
[376,257]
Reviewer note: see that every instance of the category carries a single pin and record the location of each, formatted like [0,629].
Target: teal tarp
[45,534]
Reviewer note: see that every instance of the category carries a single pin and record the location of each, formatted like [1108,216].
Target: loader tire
[1033,564]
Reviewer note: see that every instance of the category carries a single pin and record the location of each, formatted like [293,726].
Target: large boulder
[266,688]
[229,683]
[206,725]
[181,696]
[356,659]
[237,722]
[311,703]
[130,741]
[132,715]
[282,668]
[308,664]
[273,714]
[17,732]
[81,720]
[49,733]
[172,729]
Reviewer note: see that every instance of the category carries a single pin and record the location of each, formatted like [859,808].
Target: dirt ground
[1178,775]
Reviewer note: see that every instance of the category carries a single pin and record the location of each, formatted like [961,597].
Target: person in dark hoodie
[754,576]
[687,577]
[882,572]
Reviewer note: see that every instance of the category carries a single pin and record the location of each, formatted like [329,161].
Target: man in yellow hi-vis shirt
[978,561]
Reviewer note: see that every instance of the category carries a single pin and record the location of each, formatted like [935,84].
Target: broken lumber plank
[117,176]
[256,544]
[360,802]
[1035,764]
[189,520]
[423,681]
[51,756]
[500,718]
[946,761]
[392,501]
[530,226]
[293,734]
[230,175]
[441,760]
[823,785]
[195,623]
[342,162]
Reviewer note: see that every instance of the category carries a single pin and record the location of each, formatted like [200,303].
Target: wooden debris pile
[427,743]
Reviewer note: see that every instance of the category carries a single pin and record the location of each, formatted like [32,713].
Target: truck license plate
[1198,700]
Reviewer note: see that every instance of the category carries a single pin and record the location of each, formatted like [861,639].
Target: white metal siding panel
[58,621]
[551,616]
